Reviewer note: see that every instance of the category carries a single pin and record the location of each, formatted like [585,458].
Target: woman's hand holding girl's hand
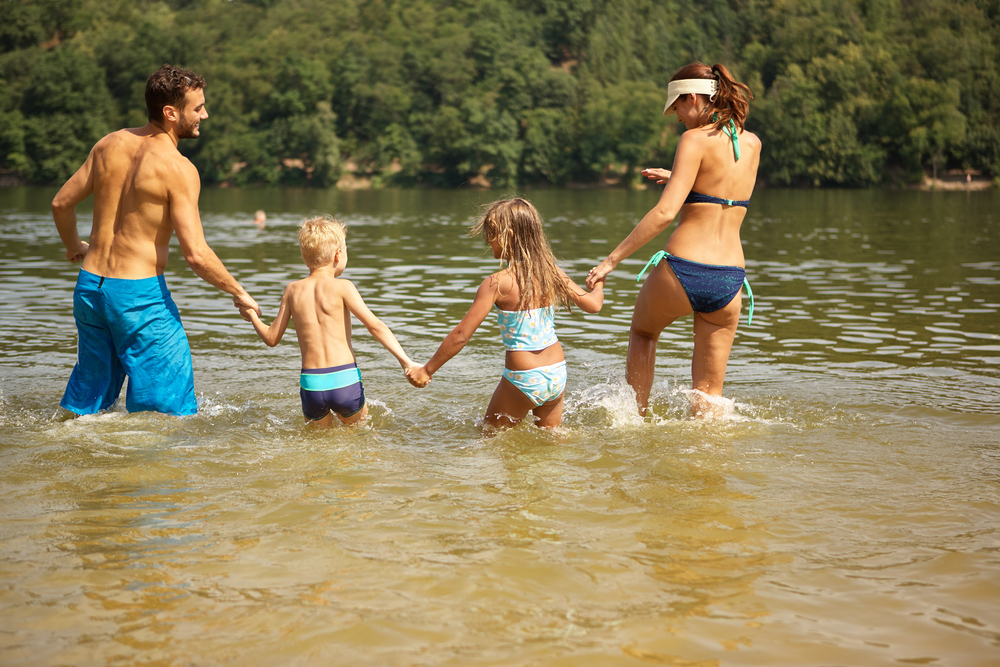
[418,376]
[661,176]
[599,273]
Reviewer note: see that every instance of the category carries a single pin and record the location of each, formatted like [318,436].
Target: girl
[714,172]
[525,295]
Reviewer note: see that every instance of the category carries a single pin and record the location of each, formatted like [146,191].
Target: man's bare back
[134,174]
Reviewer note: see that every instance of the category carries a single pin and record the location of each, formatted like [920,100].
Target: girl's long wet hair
[731,100]
[517,227]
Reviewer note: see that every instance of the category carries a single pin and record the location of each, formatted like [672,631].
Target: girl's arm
[687,161]
[375,326]
[486,296]
[271,335]
[589,302]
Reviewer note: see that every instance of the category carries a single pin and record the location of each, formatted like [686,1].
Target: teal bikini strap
[653,261]
[730,129]
[746,285]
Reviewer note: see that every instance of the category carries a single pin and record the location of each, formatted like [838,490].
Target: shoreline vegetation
[508,93]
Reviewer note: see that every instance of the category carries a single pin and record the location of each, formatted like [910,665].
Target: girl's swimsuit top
[527,329]
[696,198]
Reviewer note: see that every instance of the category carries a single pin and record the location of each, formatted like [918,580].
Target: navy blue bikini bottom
[709,287]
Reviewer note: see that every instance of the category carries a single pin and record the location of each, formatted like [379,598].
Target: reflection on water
[844,513]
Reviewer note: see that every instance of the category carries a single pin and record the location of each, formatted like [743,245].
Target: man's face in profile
[188,127]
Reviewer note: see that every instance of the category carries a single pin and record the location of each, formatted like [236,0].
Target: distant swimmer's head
[323,241]
[176,97]
[697,92]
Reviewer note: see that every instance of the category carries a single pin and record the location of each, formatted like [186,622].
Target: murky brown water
[845,514]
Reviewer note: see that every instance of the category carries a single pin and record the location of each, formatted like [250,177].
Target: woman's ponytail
[730,100]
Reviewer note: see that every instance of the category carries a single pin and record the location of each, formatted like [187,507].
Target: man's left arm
[186,221]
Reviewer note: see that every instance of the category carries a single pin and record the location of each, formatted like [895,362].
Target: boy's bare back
[318,306]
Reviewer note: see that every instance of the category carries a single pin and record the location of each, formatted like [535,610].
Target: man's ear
[171,113]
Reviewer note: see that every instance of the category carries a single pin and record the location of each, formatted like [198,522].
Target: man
[144,191]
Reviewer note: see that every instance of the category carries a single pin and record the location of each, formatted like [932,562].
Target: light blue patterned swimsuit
[533,330]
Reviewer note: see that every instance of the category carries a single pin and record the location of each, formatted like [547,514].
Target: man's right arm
[74,191]
[186,220]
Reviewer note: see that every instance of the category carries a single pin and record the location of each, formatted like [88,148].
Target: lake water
[846,512]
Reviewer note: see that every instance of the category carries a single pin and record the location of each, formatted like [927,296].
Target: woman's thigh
[713,340]
[661,300]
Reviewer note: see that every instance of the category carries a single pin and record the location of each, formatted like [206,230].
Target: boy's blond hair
[320,239]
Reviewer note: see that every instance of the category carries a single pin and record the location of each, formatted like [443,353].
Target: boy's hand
[418,376]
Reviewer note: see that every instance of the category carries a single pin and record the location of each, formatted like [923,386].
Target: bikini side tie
[654,260]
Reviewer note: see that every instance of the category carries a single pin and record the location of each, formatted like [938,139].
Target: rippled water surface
[844,513]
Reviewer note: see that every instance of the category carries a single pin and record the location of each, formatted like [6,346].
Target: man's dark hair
[168,86]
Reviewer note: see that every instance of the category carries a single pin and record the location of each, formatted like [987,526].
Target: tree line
[505,92]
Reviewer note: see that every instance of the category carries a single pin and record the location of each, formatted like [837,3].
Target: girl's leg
[550,414]
[713,340]
[507,407]
[661,301]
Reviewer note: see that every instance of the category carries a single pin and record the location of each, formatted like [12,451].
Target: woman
[715,168]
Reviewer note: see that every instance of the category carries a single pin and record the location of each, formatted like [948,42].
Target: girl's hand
[661,176]
[418,376]
[599,273]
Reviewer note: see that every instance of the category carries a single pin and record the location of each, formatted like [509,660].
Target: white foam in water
[615,398]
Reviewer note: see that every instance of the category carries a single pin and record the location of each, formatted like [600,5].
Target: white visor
[686,86]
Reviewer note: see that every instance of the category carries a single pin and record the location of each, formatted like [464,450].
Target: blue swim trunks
[336,389]
[129,328]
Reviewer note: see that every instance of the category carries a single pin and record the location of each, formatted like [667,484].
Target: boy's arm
[486,296]
[374,325]
[272,335]
[589,302]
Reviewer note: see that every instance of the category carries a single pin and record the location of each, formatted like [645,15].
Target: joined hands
[418,376]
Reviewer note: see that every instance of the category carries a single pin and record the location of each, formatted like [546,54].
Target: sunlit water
[845,512]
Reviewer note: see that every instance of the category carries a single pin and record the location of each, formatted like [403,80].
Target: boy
[321,306]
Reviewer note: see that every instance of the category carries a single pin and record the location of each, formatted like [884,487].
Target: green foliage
[848,92]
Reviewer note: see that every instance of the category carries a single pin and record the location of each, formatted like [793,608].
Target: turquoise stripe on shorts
[328,381]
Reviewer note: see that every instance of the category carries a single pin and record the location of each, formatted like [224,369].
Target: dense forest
[505,92]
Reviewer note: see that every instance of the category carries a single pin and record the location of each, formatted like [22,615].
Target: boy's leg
[320,423]
[507,407]
[356,418]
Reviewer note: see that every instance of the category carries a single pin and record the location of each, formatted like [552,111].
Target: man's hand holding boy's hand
[418,376]
[244,303]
